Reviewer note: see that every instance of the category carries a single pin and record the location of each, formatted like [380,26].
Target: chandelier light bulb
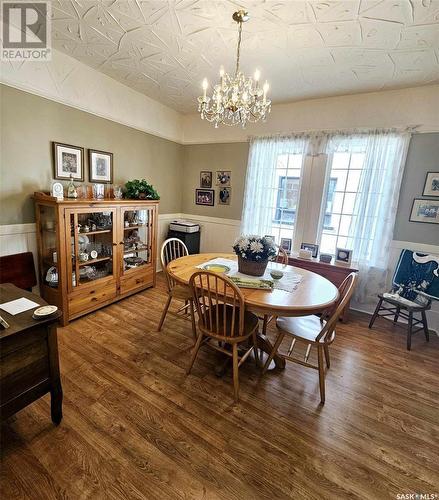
[221,71]
[257,75]
[205,84]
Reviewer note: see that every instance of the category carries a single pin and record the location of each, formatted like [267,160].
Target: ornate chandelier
[235,99]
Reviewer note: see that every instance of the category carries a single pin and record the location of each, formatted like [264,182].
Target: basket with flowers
[253,253]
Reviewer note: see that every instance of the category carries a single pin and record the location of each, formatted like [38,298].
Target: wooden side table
[28,358]
[335,273]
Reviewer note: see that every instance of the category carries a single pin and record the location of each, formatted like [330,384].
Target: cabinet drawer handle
[94,299]
[139,280]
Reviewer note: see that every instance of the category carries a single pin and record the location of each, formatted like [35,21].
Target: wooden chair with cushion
[223,320]
[415,284]
[172,249]
[315,332]
[282,258]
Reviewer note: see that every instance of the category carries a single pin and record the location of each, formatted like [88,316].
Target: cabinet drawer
[139,279]
[90,298]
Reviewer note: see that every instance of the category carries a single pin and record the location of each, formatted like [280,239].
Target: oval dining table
[314,294]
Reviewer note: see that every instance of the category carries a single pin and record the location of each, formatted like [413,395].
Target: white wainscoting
[217,235]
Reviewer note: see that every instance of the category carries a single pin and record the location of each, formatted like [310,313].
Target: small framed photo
[68,161]
[100,164]
[58,190]
[431,187]
[286,244]
[343,256]
[223,178]
[205,179]
[425,211]
[224,196]
[312,247]
[205,197]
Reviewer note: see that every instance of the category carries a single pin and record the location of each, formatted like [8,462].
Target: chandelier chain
[238,50]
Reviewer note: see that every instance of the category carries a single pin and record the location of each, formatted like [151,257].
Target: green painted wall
[28,125]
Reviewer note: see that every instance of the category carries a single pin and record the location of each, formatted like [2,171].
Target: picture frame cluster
[205,194]
[68,163]
[424,209]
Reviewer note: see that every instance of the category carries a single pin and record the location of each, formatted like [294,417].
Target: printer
[184,226]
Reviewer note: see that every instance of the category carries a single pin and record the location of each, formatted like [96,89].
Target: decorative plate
[44,311]
[217,268]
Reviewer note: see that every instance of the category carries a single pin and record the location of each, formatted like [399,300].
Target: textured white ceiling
[304,48]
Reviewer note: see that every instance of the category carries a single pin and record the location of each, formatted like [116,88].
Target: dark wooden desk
[28,358]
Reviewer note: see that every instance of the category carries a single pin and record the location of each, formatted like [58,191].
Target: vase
[251,267]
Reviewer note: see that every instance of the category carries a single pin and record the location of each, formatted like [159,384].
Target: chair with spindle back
[223,319]
[282,258]
[172,249]
[314,331]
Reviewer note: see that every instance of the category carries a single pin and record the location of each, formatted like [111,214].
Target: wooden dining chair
[282,258]
[315,332]
[172,249]
[223,320]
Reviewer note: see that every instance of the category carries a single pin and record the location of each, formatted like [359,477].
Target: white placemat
[288,282]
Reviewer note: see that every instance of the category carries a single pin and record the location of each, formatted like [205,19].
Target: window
[287,177]
[342,192]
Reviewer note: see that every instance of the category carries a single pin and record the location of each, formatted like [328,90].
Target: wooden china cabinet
[94,252]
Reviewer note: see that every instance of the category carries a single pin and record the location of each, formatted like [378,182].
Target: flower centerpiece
[253,254]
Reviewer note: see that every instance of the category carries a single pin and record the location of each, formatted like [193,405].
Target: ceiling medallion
[235,99]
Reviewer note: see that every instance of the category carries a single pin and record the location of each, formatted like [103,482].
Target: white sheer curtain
[376,202]
[260,184]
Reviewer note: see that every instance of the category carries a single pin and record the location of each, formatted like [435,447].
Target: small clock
[58,190]
[93,254]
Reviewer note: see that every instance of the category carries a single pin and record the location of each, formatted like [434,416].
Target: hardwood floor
[135,426]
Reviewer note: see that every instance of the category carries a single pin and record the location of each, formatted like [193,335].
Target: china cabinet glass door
[49,251]
[137,223]
[93,242]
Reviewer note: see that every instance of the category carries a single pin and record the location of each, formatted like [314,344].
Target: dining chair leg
[165,311]
[195,352]
[235,372]
[265,325]
[192,313]
[256,348]
[409,331]
[425,325]
[321,374]
[375,314]
[328,361]
[395,318]
[278,342]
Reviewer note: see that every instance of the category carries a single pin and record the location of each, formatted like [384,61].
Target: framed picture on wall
[68,161]
[223,178]
[205,179]
[425,211]
[431,187]
[224,196]
[205,197]
[100,165]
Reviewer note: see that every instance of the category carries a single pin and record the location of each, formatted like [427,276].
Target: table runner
[287,283]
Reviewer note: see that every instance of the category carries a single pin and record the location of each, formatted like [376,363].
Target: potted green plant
[140,190]
[253,254]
